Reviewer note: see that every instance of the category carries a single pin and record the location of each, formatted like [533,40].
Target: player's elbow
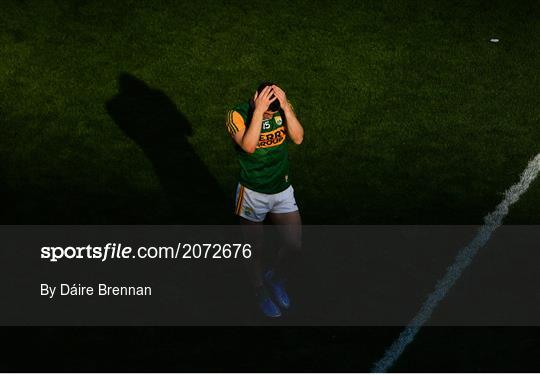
[249,149]
[247,146]
[298,140]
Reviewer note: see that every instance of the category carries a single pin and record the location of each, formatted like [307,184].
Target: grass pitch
[411,114]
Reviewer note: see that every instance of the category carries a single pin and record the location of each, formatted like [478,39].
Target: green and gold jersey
[267,169]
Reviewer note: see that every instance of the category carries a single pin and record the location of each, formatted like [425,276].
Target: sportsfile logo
[273,138]
[109,251]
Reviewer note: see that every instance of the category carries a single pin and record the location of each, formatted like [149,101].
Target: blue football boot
[267,306]
[277,286]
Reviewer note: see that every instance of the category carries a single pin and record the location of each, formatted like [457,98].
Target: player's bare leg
[253,234]
[289,226]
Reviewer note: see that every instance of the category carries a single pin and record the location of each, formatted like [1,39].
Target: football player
[261,128]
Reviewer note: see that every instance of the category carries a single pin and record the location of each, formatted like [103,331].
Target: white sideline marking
[491,222]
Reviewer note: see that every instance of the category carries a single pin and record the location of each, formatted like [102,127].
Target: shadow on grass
[189,194]
[150,118]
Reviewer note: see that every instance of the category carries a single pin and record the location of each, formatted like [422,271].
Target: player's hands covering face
[263,100]
[281,96]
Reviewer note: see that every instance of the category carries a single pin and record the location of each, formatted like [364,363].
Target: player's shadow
[151,119]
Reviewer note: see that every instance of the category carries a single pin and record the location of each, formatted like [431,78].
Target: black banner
[195,275]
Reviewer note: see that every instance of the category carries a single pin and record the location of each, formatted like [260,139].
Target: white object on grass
[465,256]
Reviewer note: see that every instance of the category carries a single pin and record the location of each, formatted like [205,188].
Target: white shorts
[254,206]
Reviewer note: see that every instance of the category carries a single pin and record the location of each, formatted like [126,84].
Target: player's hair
[274,106]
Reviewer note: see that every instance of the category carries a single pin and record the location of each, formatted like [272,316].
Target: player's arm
[294,128]
[248,138]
